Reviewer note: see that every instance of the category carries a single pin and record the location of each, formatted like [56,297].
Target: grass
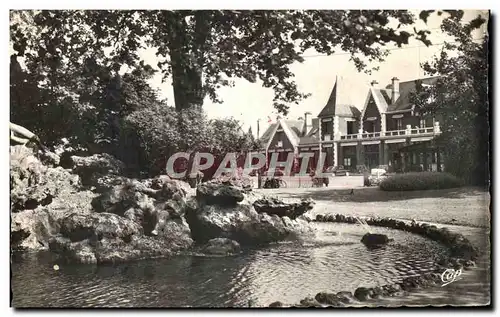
[420,181]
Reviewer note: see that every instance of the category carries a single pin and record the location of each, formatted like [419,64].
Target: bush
[420,181]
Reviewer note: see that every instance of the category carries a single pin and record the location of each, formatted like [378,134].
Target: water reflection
[335,260]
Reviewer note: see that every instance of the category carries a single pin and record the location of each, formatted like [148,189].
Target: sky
[249,102]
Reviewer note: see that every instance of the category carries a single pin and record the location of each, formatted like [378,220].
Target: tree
[204,50]
[460,99]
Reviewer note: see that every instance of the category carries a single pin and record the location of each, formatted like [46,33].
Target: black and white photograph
[263,158]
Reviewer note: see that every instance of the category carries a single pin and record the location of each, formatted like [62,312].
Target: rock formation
[87,212]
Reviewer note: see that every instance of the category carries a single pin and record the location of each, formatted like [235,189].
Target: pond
[335,260]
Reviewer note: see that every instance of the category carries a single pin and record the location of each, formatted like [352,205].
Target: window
[326,127]
[399,124]
[280,144]
[422,122]
[369,126]
[347,161]
[350,127]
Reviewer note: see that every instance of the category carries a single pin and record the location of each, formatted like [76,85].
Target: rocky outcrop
[40,196]
[219,194]
[92,168]
[276,206]
[221,210]
[108,238]
[120,219]
[145,219]
[221,246]
[32,184]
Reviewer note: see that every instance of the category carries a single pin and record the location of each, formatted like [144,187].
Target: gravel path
[464,206]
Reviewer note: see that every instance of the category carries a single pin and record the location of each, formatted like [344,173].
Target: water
[334,261]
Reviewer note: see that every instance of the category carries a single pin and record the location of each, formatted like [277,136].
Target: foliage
[420,181]
[200,50]
[150,135]
[460,100]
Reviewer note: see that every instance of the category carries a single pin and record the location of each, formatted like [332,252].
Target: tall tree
[460,99]
[204,50]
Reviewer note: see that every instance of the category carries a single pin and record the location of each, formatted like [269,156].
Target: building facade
[384,131]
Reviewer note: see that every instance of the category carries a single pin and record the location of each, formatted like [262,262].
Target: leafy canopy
[201,51]
[460,100]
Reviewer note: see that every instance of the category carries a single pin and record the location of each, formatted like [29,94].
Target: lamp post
[258,128]
[320,143]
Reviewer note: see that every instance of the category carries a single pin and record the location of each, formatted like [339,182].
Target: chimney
[374,83]
[307,123]
[395,89]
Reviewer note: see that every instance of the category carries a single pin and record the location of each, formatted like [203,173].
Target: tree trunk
[186,56]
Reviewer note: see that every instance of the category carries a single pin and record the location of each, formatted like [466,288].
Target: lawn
[460,206]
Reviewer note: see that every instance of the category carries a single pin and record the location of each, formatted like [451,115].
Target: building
[387,130]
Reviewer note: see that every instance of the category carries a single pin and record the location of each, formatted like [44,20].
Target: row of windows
[370,126]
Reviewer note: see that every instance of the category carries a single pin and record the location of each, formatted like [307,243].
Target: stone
[330,218]
[363,294]
[374,239]
[221,246]
[327,298]
[219,194]
[345,297]
[241,223]
[339,218]
[33,184]
[91,168]
[377,292]
[320,218]
[32,229]
[275,206]
[309,302]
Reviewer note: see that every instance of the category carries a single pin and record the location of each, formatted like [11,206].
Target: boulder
[243,182]
[241,223]
[219,194]
[91,168]
[375,239]
[276,304]
[345,297]
[109,238]
[32,229]
[221,246]
[275,206]
[328,298]
[32,184]
[362,294]
[310,302]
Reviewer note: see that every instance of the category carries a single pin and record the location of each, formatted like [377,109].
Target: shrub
[420,181]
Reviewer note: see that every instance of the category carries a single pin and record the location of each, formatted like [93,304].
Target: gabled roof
[405,90]
[269,133]
[291,128]
[382,98]
[313,136]
[339,102]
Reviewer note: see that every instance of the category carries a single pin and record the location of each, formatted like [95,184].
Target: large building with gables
[387,130]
